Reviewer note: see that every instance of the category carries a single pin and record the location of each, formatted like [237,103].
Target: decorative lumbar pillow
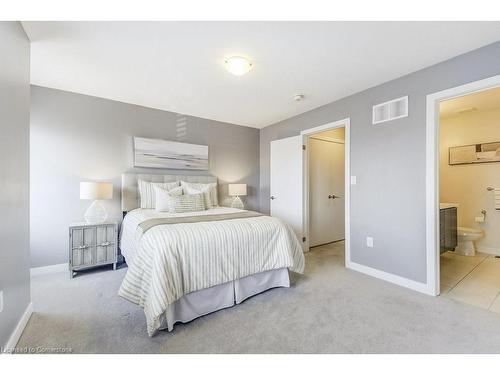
[186,203]
[147,193]
[209,192]
[162,197]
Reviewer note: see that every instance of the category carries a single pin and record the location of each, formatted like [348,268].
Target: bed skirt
[206,301]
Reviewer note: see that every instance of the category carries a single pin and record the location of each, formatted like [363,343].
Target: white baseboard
[398,280]
[18,331]
[488,250]
[37,271]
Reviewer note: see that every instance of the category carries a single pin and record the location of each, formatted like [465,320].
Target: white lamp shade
[96,190]
[237,189]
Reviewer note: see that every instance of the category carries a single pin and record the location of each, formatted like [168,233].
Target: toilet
[465,240]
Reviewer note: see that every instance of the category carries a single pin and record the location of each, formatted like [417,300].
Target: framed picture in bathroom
[475,154]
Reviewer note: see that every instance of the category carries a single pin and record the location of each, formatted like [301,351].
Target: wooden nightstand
[92,245]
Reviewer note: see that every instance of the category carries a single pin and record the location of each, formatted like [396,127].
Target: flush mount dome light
[238,65]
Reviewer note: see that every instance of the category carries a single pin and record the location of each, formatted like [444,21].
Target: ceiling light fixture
[298,97]
[238,65]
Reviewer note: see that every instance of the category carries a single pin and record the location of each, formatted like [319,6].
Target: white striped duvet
[173,260]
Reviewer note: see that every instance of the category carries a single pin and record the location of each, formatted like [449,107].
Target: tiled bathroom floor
[473,280]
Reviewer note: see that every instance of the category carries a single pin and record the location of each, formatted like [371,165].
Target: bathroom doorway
[468,194]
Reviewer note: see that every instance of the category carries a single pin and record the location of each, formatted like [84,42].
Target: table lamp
[96,191]
[237,191]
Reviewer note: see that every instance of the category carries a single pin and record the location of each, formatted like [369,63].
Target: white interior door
[287,182]
[326,191]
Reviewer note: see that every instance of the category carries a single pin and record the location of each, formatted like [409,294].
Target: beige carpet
[328,310]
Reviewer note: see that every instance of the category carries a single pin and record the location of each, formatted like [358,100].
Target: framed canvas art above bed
[159,153]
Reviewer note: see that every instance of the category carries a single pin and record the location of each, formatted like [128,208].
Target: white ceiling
[178,66]
[482,101]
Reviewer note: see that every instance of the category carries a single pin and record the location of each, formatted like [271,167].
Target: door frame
[344,123]
[432,172]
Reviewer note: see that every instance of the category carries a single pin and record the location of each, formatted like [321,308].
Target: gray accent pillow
[209,191]
[186,203]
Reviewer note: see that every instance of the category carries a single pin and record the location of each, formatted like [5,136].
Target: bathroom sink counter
[444,206]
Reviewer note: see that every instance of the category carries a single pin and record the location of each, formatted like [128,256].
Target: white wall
[14,183]
[466,184]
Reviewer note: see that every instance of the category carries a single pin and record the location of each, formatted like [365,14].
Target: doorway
[434,236]
[326,181]
[326,169]
[469,174]
[289,183]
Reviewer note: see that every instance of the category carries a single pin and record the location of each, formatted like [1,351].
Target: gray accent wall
[76,138]
[14,172]
[388,202]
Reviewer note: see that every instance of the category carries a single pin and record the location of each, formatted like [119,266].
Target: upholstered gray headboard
[130,194]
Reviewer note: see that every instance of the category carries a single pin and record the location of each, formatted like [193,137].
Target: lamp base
[96,213]
[237,203]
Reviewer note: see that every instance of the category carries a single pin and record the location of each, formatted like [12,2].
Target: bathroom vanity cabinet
[448,228]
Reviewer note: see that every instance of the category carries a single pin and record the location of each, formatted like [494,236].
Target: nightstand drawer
[82,238]
[82,257]
[105,250]
[105,235]
[105,254]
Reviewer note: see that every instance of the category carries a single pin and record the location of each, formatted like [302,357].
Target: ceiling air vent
[390,110]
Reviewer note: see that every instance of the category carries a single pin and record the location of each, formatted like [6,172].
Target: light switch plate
[369,241]
[353,180]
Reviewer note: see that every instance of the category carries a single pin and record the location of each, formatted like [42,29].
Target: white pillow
[147,194]
[162,197]
[209,191]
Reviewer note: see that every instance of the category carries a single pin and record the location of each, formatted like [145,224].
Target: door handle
[333,196]
[273,197]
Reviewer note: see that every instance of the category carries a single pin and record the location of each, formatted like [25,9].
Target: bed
[185,265]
